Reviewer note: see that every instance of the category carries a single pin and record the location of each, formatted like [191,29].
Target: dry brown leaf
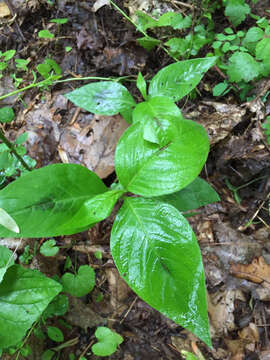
[258,271]
[4,10]
[94,145]
[250,333]
[220,122]
[221,311]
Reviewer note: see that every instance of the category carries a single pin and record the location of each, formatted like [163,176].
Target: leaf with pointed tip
[156,252]
[196,194]
[102,98]
[6,260]
[178,79]
[161,119]
[8,222]
[58,199]
[155,170]
[24,295]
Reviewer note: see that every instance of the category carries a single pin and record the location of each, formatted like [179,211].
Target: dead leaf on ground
[221,311]
[4,10]
[234,246]
[118,288]
[81,314]
[258,271]
[94,145]
[250,333]
[217,118]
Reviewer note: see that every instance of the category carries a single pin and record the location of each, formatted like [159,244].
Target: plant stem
[23,89]
[13,150]
[40,83]
[140,30]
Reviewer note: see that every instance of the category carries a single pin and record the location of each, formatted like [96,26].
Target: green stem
[92,78]
[13,150]
[128,18]
[23,89]
[18,91]
[140,30]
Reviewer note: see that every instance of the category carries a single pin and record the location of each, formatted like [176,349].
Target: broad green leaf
[24,295]
[236,10]
[54,200]
[161,119]
[45,34]
[8,222]
[198,193]
[144,21]
[175,20]
[141,85]
[157,254]
[55,334]
[263,49]
[48,248]
[253,34]
[148,42]
[178,79]
[6,114]
[178,46]
[220,88]
[6,260]
[58,307]
[80,284]
[47,355]
[59,20]
[96,208]
[242,66]
[154,170]
[102,98]
[108,341]
[7,55]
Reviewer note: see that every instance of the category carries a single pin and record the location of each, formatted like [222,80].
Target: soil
[234,236]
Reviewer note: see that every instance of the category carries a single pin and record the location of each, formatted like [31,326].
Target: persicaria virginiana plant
[157,163]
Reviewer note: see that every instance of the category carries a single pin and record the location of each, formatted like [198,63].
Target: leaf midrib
[147,161]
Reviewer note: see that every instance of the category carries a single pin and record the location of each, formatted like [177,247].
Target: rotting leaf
[258,271]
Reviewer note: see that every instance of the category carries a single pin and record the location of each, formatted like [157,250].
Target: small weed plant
[157,162]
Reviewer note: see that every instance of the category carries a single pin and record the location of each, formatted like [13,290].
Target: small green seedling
[59,21]
[68,48]
[4,59]
[81,283]
[108,341]
[55,334]
[45,34]
[48,248]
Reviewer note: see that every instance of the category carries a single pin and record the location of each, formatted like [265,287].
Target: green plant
[13,158]
[182,46]
[157,162]
[236,10]
[48,248]
[243,56]
[45,34]
[5,57]
[108,341]
[81,283]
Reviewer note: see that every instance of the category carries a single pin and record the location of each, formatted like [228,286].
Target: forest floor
[233,234]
